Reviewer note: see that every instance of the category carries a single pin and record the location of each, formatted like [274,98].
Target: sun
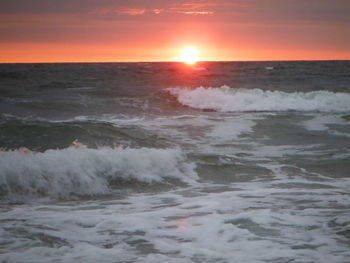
[189,55]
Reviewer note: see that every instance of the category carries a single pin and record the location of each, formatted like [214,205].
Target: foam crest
[87,172]
[226,99]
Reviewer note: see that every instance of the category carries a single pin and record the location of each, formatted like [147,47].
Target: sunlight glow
[189,56]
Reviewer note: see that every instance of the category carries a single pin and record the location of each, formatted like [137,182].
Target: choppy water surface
[221,162]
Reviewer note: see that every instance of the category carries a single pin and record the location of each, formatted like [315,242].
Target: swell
[40,134]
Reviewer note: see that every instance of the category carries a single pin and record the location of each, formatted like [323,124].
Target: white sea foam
[226,99]
[322,122]
[256,223]
[231,128]
[87,172]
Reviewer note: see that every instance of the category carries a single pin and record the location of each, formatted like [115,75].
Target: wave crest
[87,172]
[226,99]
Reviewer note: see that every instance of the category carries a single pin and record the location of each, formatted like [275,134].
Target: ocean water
[219,162]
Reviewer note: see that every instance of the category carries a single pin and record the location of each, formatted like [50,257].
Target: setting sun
[189,55]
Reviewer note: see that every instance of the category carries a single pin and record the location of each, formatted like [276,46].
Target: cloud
[198,7]
[132,11]
[197,12]
[157,11]
[125,11]
[194,8]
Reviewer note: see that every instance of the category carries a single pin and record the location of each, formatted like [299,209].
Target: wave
[66,173]
[226,99]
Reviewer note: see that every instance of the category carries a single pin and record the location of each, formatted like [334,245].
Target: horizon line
[169,61]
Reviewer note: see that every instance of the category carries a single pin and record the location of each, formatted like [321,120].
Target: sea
[218,162]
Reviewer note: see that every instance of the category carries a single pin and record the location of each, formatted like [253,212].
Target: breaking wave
[88,172]
[226,99]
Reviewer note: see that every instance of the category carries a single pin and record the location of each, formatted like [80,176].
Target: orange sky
[155,30]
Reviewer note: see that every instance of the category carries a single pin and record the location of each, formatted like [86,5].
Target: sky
[157,30]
